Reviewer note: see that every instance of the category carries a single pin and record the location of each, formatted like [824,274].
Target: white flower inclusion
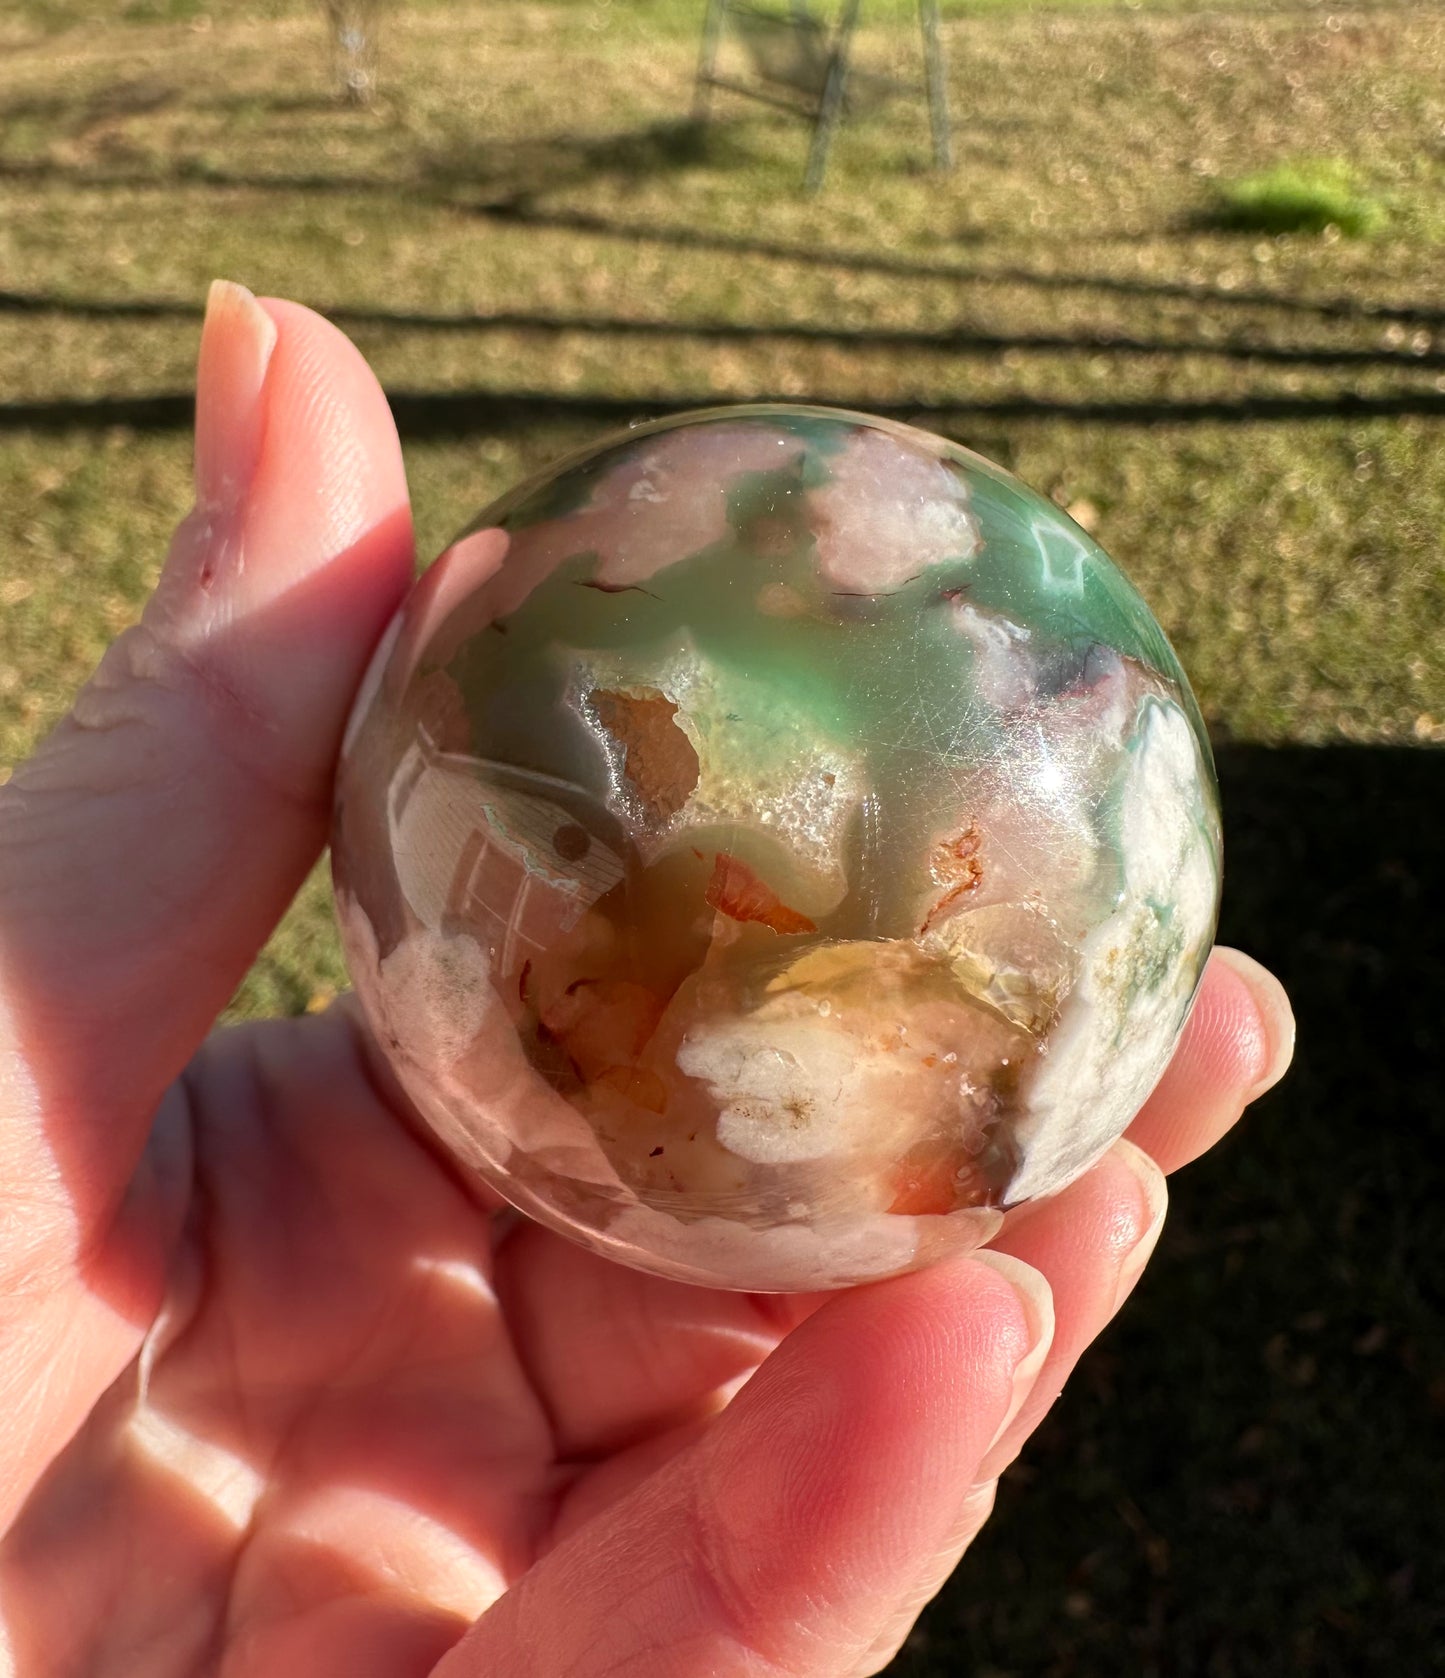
[1115,1032]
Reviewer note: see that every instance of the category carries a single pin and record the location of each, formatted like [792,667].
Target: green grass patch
[1307,197]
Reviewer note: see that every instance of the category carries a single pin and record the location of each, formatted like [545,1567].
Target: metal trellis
[801,66]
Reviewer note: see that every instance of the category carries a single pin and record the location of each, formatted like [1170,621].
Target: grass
[1308,197]
[532,243]
[28,19]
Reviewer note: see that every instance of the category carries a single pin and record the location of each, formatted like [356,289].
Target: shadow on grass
[517,170]
[692,238]
[954,341]
[507,190]
[506,172]
[77,117]
[439,414]
[1241,1479]
[72,116]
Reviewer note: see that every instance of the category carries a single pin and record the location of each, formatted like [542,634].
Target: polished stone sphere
[771,843]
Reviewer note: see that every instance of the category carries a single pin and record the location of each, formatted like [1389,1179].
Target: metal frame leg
[830,107]
[707,60]
[937,77]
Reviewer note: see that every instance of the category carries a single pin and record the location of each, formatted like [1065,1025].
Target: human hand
[281,1394]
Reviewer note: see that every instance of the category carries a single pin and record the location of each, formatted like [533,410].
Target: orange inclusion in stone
[600,1022]
[637,1084]
[737,892]
[925,1186]
[958,868]
[659,760]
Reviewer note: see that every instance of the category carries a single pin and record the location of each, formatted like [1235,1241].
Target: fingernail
[237,339]
[1156,1205]
[1038,1302]
[1276,1017]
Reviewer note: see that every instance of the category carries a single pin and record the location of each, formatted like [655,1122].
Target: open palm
[281,1392]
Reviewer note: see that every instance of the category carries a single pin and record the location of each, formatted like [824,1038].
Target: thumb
[151,843]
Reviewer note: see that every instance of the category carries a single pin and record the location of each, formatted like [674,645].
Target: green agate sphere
[772,842]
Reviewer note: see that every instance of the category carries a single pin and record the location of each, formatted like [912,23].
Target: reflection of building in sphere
[513,866]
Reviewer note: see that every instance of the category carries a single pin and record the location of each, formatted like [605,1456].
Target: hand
[281,1395]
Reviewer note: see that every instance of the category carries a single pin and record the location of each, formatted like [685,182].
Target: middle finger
[1091,1241]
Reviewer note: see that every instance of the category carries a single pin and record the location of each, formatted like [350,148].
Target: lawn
[532,243]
